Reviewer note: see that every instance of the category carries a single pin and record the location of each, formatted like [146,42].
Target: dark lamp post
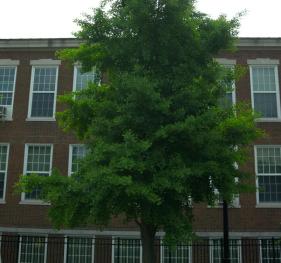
[226,254]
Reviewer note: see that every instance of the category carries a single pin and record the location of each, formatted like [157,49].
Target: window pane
[6,98]
[82,79]
[3,168]
[269,188]
[234,249]
[263,79]
[268,160]
[270,252]
[179,254]
[43,105]
[266,104]
[78,152]
[44,79]
[7,78]
[32,249]
[127,251]
[79,250]
[38,162]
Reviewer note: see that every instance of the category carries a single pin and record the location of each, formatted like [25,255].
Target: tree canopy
[156,133]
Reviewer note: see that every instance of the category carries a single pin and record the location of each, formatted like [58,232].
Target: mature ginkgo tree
[157,136]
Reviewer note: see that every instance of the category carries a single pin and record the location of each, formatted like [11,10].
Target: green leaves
[156,133]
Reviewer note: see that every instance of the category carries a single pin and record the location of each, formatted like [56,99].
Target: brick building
[31,77]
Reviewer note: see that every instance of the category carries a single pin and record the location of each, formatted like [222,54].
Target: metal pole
[226,258]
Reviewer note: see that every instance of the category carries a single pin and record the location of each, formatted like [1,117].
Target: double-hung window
[81,80]
[43,90]
[126,250]
[8,71]
[216,248]
[4,155]
[268,171]
[79,250]
[38,160]
[265,87]
[179,254]
[76,153]
[229,99]
[32,249]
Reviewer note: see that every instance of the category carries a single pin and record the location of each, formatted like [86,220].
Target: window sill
[2,202]
[221,207]
[40,119]
[268,120]
[33,202]
[268,205]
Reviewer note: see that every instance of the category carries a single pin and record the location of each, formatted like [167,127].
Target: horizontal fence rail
[85,249]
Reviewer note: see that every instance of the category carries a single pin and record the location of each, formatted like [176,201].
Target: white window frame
[33,201]
[2,200]
[28,235]
[262,63]
[14,64]
[126,238]
[211,252]
[70,157]
[43,63]
[258,203]
[75,72]
[78,236]
[162,252]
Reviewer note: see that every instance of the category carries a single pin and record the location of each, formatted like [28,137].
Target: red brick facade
[17,217]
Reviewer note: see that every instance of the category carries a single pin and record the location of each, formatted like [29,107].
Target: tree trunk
[147,237]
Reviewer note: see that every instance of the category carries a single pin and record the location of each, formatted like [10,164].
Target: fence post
[170,254]
[118,250]
[273,250]
[221,247]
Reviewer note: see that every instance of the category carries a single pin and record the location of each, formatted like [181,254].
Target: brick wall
[19,132]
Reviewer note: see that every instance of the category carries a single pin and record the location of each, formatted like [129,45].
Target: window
[230,97]
[234,249]
[126,250]
[180,254]
[76,153]
[265,87]
[81,80]
[38,160]
[32,249]
[43,90]
[235,203]
[270,251]
[8,69]
[4,155]
[268,171]
[79,250]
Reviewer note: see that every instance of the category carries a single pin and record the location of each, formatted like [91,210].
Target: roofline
[243,42]
[39,43]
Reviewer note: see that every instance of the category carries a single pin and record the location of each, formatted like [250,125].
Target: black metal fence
[73,249]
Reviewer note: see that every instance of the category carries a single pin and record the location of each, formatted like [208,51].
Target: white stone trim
[9,62]
[226,62]
[45,62]
[263,61]
[131,233]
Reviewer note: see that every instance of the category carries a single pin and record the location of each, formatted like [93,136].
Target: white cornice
[244,42]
